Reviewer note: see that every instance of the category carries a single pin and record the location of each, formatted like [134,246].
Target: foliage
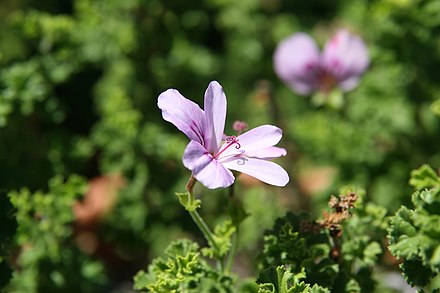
[279,280]
[79,82]
[338,252]
[43,233]
[414,233]
[8,226]
[182,270]
[223,238]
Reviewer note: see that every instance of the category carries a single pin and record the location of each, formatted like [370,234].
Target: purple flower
[299,63]
[210,155]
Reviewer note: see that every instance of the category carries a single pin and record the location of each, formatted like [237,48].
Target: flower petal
[345,56]
[267,153]
[296,62]
[215,111]
[256,139]
[196,157]
[266,171]
[205,168]
[183,113]
[215,175]
[349,83]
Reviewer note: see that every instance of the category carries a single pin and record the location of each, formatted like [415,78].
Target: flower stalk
[233,251]
[191,207]
[238,214]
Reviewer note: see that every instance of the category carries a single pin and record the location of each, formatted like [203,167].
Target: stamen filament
[231,140]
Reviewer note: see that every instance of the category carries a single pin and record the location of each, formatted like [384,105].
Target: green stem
[232,252]
[234,246]
[204,228]
[196,216]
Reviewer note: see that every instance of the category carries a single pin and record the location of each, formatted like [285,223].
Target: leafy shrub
[414,233]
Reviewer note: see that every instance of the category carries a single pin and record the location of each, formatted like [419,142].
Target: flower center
[230,140]
[326,81]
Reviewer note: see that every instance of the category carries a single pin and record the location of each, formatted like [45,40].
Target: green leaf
[187,201]
[428,199]
[424,177]
[274,280]
[429,224]
[435,107]
[182,270]
[280,280]
[352,286]
[371,253]
[318,289]
[415,273]
[266,288]
[49,253]
[301,287]
[223,238]
[435,259]
[285,244]
[324,272]
[401,224]
[8,227]
[412,247]
[414,235]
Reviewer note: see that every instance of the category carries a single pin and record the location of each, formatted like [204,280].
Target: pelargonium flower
[299,63]
[211,155]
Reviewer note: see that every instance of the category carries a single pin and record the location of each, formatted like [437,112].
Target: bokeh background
[89,168]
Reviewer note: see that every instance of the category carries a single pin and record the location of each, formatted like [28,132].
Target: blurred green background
[89,168]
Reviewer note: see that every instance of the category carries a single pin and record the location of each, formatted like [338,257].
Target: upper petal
[183,113]
[215,111]
[256,139]
[346,57]
[297,62]
[205,168]
[266,171]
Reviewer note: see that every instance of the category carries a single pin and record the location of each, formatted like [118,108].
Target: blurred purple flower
[299,63]
[208,155]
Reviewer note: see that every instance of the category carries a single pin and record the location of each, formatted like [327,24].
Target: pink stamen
[230,140]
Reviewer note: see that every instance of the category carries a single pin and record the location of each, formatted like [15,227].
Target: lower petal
[302,87]
[349,83]
[215,175]
[205,168]
[196,157]
[265,171]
